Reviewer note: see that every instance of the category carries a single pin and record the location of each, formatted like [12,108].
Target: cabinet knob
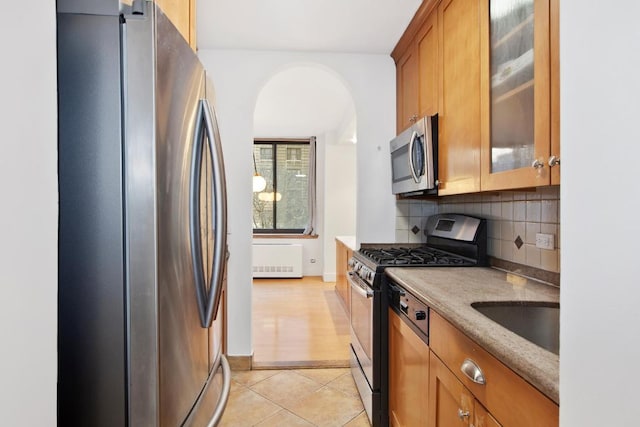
[554,161]
[413,118]
[537,164]
[462,414]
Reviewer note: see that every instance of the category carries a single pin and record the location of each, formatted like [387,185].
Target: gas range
[453,240]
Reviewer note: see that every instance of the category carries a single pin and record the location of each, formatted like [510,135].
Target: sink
[535,321]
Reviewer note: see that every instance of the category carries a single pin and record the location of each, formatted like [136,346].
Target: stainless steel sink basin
[538,322]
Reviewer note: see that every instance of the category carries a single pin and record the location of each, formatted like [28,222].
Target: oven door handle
[360,290]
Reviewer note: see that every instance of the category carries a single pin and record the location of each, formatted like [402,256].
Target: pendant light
[259,183]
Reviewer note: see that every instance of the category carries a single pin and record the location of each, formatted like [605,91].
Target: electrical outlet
[544,241]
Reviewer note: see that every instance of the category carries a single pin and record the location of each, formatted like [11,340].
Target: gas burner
[418,256]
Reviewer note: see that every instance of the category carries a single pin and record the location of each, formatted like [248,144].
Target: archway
[297,102]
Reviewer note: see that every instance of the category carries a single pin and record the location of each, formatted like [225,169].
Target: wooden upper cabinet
[416,58]
[427,49]
[407,89]
[182,14]
[517,102]
[554,30]
[459,96]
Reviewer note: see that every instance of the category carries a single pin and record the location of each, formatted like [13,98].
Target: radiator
[277,260]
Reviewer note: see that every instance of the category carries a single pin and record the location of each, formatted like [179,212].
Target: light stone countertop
[349,241]
[451,290]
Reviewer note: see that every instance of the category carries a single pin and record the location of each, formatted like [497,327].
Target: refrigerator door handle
[220,220]
[207,125]
[224,396]
[194,217]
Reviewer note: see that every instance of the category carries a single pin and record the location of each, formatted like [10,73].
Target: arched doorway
[302,101]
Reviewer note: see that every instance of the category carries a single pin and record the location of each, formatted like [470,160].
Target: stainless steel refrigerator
[142,233]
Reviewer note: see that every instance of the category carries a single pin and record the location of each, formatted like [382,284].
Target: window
[284,205]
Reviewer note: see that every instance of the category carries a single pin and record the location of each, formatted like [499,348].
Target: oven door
[362,324]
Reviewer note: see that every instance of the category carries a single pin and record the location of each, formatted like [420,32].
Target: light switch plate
[545,241]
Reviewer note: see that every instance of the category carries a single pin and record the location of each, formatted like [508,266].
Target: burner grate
[420,256]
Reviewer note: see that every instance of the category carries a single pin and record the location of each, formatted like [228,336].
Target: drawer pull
[472,371]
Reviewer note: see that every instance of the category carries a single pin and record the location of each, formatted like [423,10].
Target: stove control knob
[421,315]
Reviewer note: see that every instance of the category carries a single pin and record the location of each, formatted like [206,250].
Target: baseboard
[240,363]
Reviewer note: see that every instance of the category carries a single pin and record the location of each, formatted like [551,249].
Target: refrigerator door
[178,85]
[183,343]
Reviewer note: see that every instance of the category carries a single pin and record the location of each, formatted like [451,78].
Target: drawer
[511,399]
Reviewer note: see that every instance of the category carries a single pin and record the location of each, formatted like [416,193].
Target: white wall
[340,208]
[28,215]
[600,193]
[238,77]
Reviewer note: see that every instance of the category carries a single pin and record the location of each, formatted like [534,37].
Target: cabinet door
[408,375]
[554,31]
[459,96]
[516,84]
[407,89]
[427,46]
[482,417]
[450,403]
[341,278]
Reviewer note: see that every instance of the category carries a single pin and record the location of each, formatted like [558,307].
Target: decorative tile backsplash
[513,220]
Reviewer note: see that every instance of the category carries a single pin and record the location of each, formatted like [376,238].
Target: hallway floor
[298,323]
[297,397]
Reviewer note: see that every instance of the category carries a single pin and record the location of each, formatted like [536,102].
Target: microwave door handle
[414,136]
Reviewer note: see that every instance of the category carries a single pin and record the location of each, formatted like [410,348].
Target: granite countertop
[349,241]
[451,290]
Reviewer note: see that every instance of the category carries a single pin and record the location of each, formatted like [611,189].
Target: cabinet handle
[472,371]
[554,161]
[537,164]
[413,118]
[462,414]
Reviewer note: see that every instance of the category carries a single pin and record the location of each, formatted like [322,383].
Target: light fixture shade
[259,183]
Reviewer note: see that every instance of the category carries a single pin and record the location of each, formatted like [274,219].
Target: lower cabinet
[510,399]
[452,404]
[454,382]
[343,254]
[408,375]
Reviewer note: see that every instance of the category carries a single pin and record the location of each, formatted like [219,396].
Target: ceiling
[354,26]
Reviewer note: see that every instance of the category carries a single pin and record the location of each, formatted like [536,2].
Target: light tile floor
[296,397]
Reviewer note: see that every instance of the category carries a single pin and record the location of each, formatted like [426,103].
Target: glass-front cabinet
[516,106]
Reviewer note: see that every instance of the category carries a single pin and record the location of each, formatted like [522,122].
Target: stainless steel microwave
[414,158]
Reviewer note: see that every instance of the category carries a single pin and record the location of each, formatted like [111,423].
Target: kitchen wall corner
[513,219]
